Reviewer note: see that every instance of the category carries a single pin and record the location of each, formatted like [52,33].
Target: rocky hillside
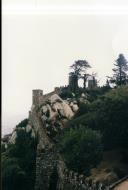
[66,132]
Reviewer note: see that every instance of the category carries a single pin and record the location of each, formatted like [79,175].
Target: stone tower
[37,95]
[92,82]
[73,82]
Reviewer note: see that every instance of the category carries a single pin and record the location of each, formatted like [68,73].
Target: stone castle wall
[51,171]
[46,158]
[46,163]
[71,180]
[38,97]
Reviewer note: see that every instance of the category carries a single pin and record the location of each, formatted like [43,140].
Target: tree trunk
[84,83]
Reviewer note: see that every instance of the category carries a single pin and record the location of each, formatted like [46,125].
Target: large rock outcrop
[48,118]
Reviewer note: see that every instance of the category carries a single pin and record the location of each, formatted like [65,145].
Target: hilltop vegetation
[88,140]
[102,123]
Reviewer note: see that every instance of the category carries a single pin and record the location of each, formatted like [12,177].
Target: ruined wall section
[46,163]
[46,155]
[71,180]
[51,171]
[46,158]
[38,98]
[37,123]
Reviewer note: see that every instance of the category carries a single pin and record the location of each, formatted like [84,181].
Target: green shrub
[109,115]
[121,172]
[13,177]
[19,162]
[3,149]
[22,123]
[81,149]
[83,109]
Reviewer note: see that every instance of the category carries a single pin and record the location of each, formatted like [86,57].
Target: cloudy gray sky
[40,40]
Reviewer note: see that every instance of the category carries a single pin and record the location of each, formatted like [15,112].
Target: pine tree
[79,69]
[120,76]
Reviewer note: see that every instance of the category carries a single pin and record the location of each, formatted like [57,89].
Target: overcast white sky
[66,2]
[40,40]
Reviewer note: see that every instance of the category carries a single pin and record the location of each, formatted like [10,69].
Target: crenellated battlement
[38,98]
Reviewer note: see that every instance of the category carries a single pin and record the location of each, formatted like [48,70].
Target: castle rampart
[38,98]
[51,171]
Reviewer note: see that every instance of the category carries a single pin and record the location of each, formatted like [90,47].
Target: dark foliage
[81,149]
[83,109]
[66,94]
[109,114]
[3,149]
[120,76]
[79,69]
[18,162]
[22,123]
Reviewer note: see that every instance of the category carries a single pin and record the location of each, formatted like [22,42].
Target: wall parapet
[38,98]
[77,181]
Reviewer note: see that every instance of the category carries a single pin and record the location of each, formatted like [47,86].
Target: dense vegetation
[81,149]
[18,162]
[106,117]
[120,75]
[100,124]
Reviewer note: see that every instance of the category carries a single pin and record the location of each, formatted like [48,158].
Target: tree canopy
[79,69]
[109,115]
[120,76]
[19,161]
[81,149]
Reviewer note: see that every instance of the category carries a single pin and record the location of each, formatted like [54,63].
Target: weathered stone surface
[28,128]
[40,131]
[46,164]
[51,171]
[74,107]
[13,137]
